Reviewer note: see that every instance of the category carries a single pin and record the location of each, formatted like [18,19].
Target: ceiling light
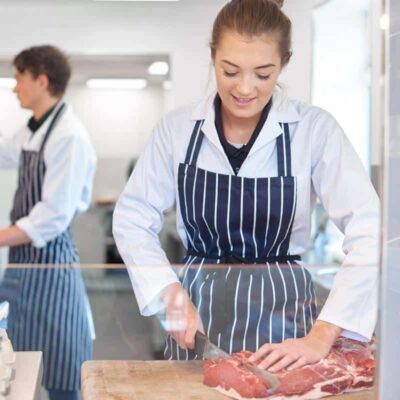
[104,83]
[7,83]
[158,68]
[133,0]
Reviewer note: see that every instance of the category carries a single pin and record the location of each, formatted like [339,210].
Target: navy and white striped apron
[241,222]
[47,304]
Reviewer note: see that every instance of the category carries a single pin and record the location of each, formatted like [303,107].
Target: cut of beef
[349,367]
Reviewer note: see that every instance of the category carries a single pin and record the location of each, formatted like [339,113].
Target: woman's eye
[264,77]
[230,74]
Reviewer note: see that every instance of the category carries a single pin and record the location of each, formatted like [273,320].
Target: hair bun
[279,3]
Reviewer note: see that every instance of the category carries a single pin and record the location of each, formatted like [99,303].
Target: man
[56,164]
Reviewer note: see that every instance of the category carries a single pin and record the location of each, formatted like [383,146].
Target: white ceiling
[133,3]
[344,5]
[85,67]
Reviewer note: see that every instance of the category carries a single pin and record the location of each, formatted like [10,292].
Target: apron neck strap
[284,152]
[195,143]
[53,122]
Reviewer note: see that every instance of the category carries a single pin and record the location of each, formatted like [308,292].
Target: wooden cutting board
[156,380]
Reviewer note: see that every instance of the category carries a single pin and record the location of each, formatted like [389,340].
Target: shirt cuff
[355,336]
[25,225]
[359,335]
[358,325]
[352,303]
[148,282]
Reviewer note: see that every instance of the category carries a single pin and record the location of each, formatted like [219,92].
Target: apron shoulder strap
[284,152]
[195,143]
[53,123]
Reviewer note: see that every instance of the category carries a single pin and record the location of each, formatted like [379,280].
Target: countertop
[156,380]
[28,371]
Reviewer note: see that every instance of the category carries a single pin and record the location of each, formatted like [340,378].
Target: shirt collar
[34,124]
[44,126]
[282,111]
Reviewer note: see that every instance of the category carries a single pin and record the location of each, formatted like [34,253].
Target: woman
[245,167]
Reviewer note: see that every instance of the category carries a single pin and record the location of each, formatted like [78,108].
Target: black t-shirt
[34,124]
[236,156]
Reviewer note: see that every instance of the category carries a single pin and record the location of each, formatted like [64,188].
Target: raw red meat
[349,367]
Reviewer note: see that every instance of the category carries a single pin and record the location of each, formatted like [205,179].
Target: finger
[175,320]
[200,326]
[184,324]
[284,362]
[179,339]
[177,325]
[262,352]
[174,336]
[271,359]
[190,333]
[301,362]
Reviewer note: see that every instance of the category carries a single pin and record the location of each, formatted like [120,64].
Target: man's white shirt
[70,166]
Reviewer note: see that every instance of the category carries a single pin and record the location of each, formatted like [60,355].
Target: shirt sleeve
[10,150]
[70,164]
[138,219]
[344,188]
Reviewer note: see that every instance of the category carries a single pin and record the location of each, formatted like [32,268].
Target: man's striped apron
[47,304]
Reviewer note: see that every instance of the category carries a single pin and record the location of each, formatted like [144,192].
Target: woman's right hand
[183,320]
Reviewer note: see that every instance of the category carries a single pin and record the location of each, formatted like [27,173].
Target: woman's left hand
[295,353]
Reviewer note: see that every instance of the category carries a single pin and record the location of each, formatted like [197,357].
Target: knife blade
[205,349]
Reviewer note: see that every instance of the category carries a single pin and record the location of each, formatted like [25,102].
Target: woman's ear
[286,59]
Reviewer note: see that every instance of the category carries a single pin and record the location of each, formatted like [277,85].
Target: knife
[205,349]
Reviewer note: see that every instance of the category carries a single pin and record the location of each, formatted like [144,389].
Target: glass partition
[98,327]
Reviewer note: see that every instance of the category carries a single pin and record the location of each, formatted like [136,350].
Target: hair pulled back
[254,18]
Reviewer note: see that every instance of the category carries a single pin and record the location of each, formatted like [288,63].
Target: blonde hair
[254,18]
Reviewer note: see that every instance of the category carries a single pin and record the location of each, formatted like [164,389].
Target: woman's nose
[245,87]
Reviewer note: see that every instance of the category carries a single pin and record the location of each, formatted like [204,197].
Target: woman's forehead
[258,50]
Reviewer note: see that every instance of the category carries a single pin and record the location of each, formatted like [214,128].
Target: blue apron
[47,304]
[241,222]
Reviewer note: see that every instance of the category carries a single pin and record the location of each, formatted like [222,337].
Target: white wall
[297,76]
[342,68]
[377,72]
[119,121]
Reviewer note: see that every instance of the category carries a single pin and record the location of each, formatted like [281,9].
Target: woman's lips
[242,102]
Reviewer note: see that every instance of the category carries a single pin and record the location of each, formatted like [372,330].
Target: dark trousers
[63,395]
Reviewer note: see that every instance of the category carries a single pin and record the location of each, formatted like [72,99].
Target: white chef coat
[70,166]
[326,167]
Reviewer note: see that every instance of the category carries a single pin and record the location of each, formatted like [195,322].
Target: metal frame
[389,321]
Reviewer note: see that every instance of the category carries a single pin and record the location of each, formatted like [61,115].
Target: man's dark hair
[47,60]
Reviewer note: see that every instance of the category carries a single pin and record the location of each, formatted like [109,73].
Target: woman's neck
[238,130]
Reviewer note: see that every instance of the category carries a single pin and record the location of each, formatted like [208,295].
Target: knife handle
[199,343]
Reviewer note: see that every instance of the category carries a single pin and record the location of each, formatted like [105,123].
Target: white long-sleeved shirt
[326,167]
[70,165]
